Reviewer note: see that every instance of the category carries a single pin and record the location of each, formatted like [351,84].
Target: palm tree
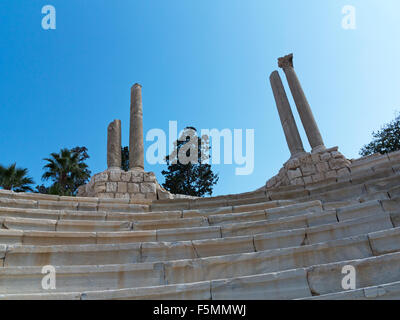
[15,179]
[67,170]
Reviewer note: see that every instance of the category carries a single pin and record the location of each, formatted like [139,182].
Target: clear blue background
[203,63]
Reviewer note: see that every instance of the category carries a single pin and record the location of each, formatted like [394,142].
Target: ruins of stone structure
[303,167]
[115,182]
[289,239]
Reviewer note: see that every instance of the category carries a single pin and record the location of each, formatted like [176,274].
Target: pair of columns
[285,112]
[136,149]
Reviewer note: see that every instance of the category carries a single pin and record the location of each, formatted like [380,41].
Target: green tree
[386,140]
[188,173]
[125,158]
[67,170]
[15,179]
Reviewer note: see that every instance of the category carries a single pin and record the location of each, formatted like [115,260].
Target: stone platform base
[116,183]
[310,168]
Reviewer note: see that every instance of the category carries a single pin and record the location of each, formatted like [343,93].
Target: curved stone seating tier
[25,255]
[315,280]
[263,225]
[289,242]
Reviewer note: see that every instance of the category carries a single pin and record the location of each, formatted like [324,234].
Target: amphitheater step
[26,255]
[65,225]
[388,291]
[285,231]
[373,275]
[191,270]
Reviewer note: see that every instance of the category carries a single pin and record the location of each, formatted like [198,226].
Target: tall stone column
[136,149]
[306,115]
[285,114]
[114,145]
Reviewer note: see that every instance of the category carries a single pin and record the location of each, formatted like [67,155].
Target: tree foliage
[188,173]
[15,179]
[386,140]
[125,158]
[67,170]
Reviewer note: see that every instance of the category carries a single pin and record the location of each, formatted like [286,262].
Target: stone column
[285,114]
[114,145]
[306,115]
[136,150]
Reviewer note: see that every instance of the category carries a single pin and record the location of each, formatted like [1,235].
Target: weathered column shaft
[305,113]
[285,114]
[114,145]
[136,149]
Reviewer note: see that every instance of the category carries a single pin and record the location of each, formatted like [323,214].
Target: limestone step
[41,296]
[304,220]
[269,214]
[370,174]
[103,205]
[40,201]
[221,217]
[246,228]
[282,285]
[348,190]
[83,254]
[212,202]
[89,254]
[98,225]
[291,284]
[383,184]
[338,204]
[65,225]
[92,225]
[325,278]
[360,210]
[388,291]
[330,192]
[116,216]
[78,203]
[368,162]
[109,211]
[45,238]
[326,232]
[292,222]
[80,278]
[273,260]
[36,219]
[86,215]
[193,270]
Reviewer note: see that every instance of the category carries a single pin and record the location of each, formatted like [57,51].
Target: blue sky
[202,63]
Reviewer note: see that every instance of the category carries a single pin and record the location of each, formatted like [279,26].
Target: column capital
[286,61]
[136,85]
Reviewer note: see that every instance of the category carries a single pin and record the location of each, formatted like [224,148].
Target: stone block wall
[116,183]
[310,168]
